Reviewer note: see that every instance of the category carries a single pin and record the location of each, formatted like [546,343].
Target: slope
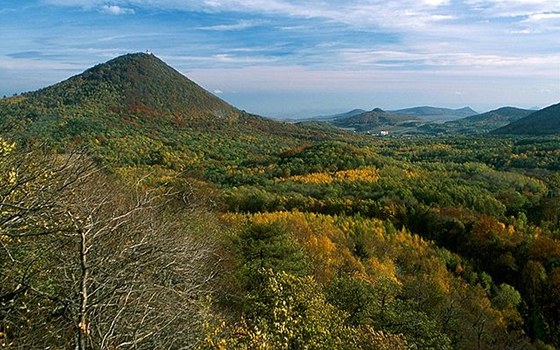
[334,116]
[133,84]
[370,120]
[436,113]
[135,109]
[543,122]
[490,120]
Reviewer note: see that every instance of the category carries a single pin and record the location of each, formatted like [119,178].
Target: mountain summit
[135,109]
[128,95]
[134,83]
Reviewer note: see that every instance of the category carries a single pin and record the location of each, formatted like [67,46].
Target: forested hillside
[372,119]
[490,120]
[544,122]
[187,223]
[437,113]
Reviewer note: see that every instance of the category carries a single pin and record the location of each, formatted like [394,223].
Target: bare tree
[142,272]
[120,268]
[31,185]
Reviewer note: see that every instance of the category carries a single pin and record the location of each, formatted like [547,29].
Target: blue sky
[287,58]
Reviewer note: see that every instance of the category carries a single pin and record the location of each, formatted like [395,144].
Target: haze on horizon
[285,58]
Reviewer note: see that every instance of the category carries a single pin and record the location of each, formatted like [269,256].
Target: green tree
[264,246]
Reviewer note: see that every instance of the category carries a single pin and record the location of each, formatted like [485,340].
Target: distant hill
[543,122]
[330,117]
[490,120]
[369,120]
[436,113]
[348,114]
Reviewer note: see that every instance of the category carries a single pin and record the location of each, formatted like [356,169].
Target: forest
[358,243]
[145,229]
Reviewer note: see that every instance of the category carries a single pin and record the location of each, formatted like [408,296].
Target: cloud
[29,64]
[435,2]
[543,17]
[539,23]
[103,6]
[27,55]
[116,10]
[240,25]
[352,12]
[240,60]
[523,31]
[460,62]
[513,8]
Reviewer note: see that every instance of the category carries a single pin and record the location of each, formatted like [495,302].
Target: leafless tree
[115,267]
[31,185]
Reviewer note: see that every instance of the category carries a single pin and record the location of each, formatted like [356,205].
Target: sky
[293,59]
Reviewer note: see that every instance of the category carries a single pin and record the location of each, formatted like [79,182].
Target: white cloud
[116,10]
[514,8]
[543,17]
[523,31]
[435,2]
[243,24]
[461,62]
[233,59]
[115,7]
[539,23]
[430,47]
[353,12]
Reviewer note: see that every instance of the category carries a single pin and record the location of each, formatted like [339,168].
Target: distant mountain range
[428,120]
[543,122]
[422,112]
[403,120]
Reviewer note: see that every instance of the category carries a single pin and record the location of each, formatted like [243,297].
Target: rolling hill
[370,120]
[335,116]
[436,113]
[543,122]
[489,120]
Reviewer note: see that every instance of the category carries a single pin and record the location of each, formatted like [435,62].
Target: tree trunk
[83,326]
